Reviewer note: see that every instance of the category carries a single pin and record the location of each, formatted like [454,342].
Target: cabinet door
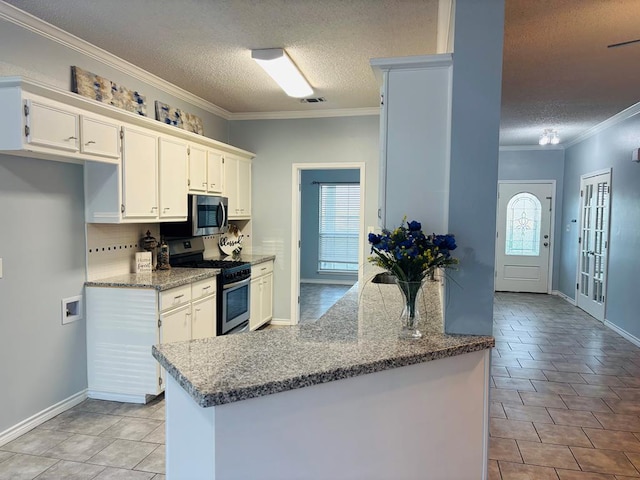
[244,187]
[139,173]
[267,298]
[203,318]
[231,185]
[172,189]
[214,172]
[197,169]
[175,325]
[255,303]
[100,138]
[51,126]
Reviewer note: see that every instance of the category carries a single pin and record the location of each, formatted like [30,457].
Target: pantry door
[593,243]
[523,236]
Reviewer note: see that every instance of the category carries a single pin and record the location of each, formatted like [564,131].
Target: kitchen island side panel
[428,418]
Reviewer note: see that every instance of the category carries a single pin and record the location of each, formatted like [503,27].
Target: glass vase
[410,317]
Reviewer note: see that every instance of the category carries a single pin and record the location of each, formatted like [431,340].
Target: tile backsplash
[111,248]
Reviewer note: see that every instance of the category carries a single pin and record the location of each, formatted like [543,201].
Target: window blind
[339,223]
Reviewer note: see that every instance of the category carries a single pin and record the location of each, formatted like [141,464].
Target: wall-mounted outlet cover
[71,309]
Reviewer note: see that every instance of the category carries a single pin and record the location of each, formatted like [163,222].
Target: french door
[593,243]
[523,237]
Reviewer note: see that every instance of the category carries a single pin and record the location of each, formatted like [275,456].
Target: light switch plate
[0,268]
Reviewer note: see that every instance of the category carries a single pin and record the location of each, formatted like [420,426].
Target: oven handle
[241,283]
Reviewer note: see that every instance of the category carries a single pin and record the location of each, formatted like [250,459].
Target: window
[523,225]
[338,227]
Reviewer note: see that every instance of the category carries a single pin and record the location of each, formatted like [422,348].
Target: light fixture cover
[281,68]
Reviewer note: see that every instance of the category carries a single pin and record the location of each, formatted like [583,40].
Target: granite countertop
[253,259]
[159,280]
[358,335]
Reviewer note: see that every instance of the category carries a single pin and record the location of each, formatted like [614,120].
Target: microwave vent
[314,100]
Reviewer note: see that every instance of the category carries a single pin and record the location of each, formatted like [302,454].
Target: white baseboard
[328,281]
[558,293]
[281,321]
[632,338]
[117,397]
[39,418]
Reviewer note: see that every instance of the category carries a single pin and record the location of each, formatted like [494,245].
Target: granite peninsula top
[253,259]
[357,336]
[159,280]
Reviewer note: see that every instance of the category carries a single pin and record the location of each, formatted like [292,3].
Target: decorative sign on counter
[231,243]
[143,262]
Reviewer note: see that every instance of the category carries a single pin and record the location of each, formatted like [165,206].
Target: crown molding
[336,112]
[29,22]
[608,123]
[515,148]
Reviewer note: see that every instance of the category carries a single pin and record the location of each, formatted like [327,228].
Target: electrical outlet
[71,309]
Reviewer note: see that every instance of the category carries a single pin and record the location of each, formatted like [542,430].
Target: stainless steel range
[233,283]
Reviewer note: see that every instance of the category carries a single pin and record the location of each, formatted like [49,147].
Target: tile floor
[565,396]
[317,298]
[94,440]
[565,405]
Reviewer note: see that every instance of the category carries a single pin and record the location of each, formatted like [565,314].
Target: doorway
[593,243]
[524,247]
[327,235]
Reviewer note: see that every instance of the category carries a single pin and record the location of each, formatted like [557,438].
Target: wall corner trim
[632,338]
[29,22]
[558,293]
[39,418]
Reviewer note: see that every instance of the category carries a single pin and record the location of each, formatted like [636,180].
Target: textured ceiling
[204,46]
[557,70]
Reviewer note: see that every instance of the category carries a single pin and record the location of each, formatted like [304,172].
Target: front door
[593,243]
[523,237]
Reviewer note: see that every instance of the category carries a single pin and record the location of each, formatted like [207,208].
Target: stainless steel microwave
[207,216]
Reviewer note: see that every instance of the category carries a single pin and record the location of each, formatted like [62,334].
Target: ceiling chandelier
[549,137]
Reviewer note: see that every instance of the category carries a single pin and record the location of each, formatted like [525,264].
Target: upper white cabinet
[100,137]
[139,174]
[237,182]
[205,170]
[50,125]
[172,189]
[415,125]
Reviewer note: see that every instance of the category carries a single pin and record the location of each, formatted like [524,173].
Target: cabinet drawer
[174,297]
[261,269]
[203,288]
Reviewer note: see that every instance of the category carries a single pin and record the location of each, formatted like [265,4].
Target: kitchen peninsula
[339,398]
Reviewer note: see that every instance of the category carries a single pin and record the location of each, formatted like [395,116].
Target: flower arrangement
[409,254]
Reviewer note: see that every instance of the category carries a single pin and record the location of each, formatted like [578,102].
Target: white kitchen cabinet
[172,184]
[261,306]
[100,137]
[215,172]
[123,324]
[237,183]
[139,174]
[51,125]
[197,170]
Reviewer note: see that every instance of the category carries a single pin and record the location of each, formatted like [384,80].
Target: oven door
[208,215]
[235,306]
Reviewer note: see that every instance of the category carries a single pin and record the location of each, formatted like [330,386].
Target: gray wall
[543,164]
[281,143]
[477,74]
[42,245]
[42,240]
[609,148]
[309,224]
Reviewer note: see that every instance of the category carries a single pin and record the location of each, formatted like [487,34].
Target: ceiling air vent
[313,100]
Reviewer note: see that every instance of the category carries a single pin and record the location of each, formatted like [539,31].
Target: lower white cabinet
[261,308]
[123,324]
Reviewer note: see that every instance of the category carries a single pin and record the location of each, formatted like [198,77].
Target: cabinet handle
[263,269]
[90,142]
[213,185]
[177,297]
[166,208]
[207,287]
[72,138]
[154,208]
[197,309]
[204,184]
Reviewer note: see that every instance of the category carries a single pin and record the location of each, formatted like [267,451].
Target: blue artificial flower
[414,226]
[374,239]
[445,242]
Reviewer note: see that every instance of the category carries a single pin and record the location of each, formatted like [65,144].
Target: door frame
[552,227]
[606,263]
[296,174]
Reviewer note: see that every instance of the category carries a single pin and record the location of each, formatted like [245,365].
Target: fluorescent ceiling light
[281,68]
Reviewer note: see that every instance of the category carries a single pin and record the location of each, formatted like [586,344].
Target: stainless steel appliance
[207,215]
[233,283]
